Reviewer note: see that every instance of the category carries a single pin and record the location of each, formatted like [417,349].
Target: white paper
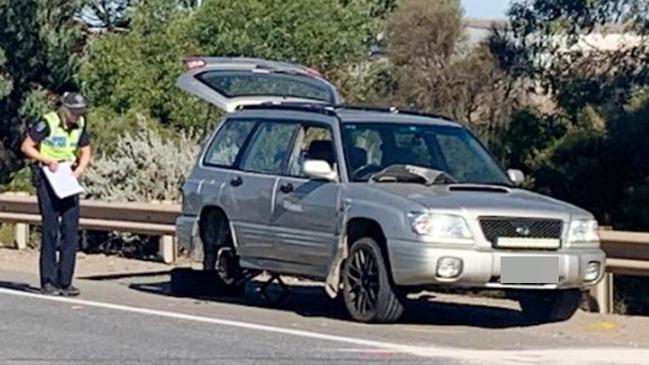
[63,181]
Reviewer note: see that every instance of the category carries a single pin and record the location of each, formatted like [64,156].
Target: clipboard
[63,181]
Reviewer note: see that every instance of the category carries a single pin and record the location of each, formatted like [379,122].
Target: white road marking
[576,356]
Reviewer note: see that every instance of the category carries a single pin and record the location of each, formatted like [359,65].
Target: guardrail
[155,219]
[627,252]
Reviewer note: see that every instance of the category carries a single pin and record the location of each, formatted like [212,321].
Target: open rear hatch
[230,83]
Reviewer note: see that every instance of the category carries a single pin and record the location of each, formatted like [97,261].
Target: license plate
[529,270]
[528,243]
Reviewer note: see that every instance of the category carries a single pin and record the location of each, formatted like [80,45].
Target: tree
[5,79]
[551,42]
[432,68]
[137,70]
[594,137]
[108,14]
[325,34]
[42,45]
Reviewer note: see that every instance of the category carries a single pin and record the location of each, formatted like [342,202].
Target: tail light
[193,63]
[313,72]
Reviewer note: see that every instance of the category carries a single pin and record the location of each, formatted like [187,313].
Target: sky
[485,8]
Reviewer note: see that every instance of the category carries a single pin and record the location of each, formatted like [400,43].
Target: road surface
[130,318]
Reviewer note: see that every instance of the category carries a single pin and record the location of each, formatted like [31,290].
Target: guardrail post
[21,235]
[167,249]
[167,245]
[604,294]
[21,230]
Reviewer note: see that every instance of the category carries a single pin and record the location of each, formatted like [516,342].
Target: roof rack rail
[369,108]
[431,115]
[393,109]
[295,106]
[328,109]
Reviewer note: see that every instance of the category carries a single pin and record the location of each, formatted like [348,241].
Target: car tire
[550,306]
[368,291]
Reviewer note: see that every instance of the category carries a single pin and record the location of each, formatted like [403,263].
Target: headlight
[583,231]
[441,227]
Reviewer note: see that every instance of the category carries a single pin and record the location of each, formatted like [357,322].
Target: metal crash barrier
[154,219]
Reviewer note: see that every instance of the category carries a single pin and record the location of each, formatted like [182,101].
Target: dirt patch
[95,264]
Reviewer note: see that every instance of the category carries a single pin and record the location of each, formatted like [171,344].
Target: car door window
[227,143]
[313,142]
[269,149]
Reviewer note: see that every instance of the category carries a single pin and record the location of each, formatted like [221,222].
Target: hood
[483,200]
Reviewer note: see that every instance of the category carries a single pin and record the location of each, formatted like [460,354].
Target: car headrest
[321,150]
[357,157]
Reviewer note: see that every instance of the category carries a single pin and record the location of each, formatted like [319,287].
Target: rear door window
[269,148]
[227,143]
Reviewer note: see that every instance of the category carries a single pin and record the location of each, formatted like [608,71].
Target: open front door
[229,83]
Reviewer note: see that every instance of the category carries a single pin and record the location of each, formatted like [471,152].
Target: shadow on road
[311,301]
[19,286]
[124,275]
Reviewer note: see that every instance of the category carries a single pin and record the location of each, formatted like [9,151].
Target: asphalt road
[132,319]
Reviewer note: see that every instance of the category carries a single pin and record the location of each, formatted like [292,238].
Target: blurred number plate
[529,270]
[531,243]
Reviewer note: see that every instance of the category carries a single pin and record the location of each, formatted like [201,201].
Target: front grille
[514,227]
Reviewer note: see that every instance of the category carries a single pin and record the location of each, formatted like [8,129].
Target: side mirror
[319,170]
[516,176]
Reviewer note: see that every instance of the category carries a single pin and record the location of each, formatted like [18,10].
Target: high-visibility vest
[61,144]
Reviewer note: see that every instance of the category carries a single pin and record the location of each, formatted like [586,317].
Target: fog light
[449,267]
[592,271]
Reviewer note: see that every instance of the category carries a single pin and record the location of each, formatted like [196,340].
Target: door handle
[236,181]
[286,188]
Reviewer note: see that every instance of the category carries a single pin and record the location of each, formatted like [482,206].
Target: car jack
[284,294]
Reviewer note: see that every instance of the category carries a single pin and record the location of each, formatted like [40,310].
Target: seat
[357,158]
[322,150]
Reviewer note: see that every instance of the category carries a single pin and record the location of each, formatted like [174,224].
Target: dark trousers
[59,216]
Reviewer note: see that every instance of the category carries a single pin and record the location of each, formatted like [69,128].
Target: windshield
[370,148]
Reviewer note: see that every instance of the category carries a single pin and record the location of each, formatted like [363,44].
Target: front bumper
[415,264]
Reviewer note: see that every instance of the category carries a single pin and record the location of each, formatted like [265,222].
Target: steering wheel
[366,171]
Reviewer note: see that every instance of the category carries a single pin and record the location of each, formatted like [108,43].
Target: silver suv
[377,203]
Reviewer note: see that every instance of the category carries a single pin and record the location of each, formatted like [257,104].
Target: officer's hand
[77,172]
[53,165]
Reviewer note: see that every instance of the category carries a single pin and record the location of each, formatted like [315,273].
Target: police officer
[60,136]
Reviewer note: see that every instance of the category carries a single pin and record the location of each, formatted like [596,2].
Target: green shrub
[631,295]
[142,165]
